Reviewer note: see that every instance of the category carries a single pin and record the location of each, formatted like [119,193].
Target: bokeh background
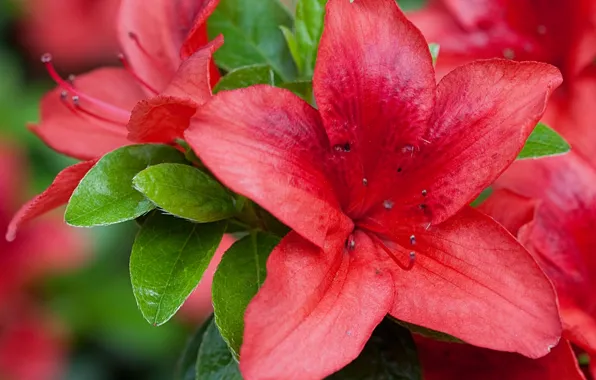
[84,320]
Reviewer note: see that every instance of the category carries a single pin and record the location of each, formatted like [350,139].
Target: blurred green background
[110,338]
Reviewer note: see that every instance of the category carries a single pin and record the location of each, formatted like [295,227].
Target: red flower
[455,361]
[560,233]
[375,185]
[559,32]
[87,117]
[78,32]
[31,346]
[46,246]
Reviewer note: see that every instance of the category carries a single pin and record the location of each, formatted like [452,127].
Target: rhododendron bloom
[560,232]
[559,32]
[456,361]
[87,116]
[375,185]
[77,32]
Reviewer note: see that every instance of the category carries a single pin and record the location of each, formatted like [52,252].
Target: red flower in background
[77,32]
[559,232]
[198,306]
[375,185]
[456,361]
[32,346]
[86,117]
[560,32]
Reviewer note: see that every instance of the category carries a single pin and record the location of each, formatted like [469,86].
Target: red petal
[473,280]
[455,361]
[160,119]
[375,88]
[511,210]
[268,145]
[166,117]
[81,136]
[485,112]
[561,236]
[197,35]
[165,31]
[54,196]
[315,311]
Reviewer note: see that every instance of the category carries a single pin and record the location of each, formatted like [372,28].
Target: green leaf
[543,142]
[301,88]
[169,257]
[304,42]
[434,52]
[239,276]
[252,34]
[390,354]
[106,195]
[215,361]
[187,366]
[482,197]
[186,191]
[246,76]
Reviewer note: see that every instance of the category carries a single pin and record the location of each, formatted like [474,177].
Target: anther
[350,243]
[424,192]
[46,58]
[388,204]
[407,148]
[342,147]
[75,100]
[399,170]
[413,240]
[412,256]
[364,181]
[422,206]
[63,94]
[71,78]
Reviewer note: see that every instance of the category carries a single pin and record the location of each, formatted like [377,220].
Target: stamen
[76,109]
[413,240]
[342,147]
[424,192]
[47,61]
[391,255]
[128,68]
[388,204]
[159,65]
[350,243]
[364,181]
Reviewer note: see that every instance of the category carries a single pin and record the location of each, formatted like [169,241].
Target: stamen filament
[47,61]
[79,111]
[129,69]
[391,255]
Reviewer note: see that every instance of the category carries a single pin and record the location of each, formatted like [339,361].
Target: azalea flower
[46,246]
[559,232]
[456,361]
[375,184]
[77,32]
[87,116]
[560,32]
[32,344]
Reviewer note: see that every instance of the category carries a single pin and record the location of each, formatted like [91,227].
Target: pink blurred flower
[79,33]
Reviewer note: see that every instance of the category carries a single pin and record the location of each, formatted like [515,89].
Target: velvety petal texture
[57,194]
[470,269]
[315,311]
[485,112]
[455,361]
[509,209]
[267,144]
